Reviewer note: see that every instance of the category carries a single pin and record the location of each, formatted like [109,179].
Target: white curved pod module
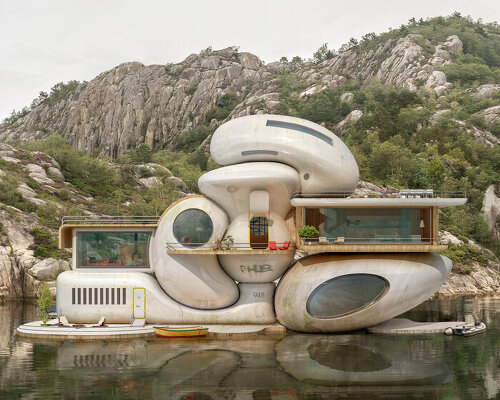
[231,187]
[335,293]
[324,162]
[193,280]
[254,305]
[262,189]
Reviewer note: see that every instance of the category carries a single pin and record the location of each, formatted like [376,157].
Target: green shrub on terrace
[308,232]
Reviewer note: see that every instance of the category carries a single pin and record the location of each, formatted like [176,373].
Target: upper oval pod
[323,161]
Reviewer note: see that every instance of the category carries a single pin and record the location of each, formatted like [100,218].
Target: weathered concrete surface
[410,280]
[409,327]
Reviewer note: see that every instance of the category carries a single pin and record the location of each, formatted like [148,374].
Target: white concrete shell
[323,161]
[255,268]
[411,279]
[193,280]
[254,306]
[231,188]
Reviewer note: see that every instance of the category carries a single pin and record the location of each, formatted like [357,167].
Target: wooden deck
[372,248]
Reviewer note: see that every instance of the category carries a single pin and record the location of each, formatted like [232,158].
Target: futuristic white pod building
[215,258]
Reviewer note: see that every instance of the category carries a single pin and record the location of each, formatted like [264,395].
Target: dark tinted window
[193,228]
[300,128]
[113,249]
[345,294]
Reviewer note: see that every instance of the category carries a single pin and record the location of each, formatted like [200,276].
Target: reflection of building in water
[213,259]
[289,368]
[362,360]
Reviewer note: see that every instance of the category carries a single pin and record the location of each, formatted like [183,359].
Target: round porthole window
[345,294]
[306,176]
[193,228]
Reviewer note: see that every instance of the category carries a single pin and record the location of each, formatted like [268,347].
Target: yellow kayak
[176,332]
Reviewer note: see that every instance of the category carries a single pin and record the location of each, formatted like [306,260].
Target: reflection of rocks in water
[361,360]
[348,357]
[455,309]
[16,357]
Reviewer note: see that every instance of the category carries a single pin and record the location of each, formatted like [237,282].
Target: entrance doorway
[259,232]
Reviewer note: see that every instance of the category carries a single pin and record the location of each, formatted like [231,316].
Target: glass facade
[345,294]
[193,228]
[371,225]
[113,249]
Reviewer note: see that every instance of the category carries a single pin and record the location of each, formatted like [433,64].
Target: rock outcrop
[133,103]
[491,210]
[21,273]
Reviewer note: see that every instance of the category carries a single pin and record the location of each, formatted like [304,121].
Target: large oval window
[345,294]
[193,228]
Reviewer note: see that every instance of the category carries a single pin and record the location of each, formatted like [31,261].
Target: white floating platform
[125,331]
[409,327]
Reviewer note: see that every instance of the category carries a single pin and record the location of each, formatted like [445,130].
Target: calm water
[355,366]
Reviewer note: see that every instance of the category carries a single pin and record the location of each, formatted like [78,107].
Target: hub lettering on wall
[257,268]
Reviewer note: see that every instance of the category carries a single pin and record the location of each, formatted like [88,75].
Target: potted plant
[308,232]
[228,242]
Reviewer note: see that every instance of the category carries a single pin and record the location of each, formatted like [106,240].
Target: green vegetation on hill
[111,183]
[399,140]
[394,142]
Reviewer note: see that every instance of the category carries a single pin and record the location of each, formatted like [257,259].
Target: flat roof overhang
[377,202]
[66,231]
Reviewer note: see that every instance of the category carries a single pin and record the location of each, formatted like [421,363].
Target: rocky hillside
[419,106]
[34,195]
[134,103]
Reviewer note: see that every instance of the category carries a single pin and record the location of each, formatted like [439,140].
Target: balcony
[370,245]
[234,249]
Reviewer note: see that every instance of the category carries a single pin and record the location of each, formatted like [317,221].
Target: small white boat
[466,330]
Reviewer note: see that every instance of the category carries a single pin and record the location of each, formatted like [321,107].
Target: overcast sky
[43,42]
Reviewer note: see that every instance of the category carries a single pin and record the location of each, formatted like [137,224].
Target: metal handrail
[96,219]
[383,239]
[222,246]
[425,193]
